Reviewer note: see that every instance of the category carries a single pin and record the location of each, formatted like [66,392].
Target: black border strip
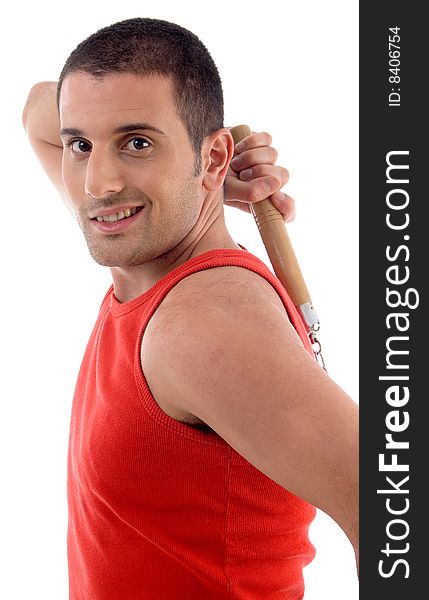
[393,235]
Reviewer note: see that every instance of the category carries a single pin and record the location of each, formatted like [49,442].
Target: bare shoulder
[211,321]
[192,327]
[229,291]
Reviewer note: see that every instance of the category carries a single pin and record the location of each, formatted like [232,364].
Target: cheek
[73,179]
[153,180]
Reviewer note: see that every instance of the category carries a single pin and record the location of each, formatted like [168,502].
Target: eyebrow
[121,129]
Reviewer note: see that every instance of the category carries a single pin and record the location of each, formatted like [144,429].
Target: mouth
[119,216]
[119,222]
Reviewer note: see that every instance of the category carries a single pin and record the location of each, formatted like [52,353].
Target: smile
[129,212]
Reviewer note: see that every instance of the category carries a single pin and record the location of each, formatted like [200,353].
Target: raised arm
[42,124]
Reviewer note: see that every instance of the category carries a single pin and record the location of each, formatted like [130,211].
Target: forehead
[115,98]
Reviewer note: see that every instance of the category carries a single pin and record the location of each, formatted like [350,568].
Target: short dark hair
[153,47]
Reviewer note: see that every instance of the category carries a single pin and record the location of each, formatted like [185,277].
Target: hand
[253,176]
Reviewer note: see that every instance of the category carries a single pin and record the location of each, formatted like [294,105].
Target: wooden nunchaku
[282,256]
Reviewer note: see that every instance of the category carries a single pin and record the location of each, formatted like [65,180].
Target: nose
[103,175]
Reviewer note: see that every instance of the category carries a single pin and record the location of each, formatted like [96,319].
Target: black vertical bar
[394,349]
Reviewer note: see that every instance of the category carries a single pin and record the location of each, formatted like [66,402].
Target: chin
[105,261]
[122,256]
[108,260]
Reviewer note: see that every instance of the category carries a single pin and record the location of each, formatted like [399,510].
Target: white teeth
[118,216]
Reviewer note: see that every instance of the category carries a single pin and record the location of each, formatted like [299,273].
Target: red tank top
[159,510]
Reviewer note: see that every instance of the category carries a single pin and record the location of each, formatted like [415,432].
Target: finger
[255,140]
[263,171]
[255,156]
[252,191]
[285,205]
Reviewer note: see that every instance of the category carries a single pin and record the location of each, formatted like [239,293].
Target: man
[203,433]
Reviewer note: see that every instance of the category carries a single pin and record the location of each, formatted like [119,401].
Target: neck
[131,282]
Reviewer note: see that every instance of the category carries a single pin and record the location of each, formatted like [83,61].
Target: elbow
[33,99]
[40,100]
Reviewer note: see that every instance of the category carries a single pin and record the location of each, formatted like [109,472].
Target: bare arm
[42,124]
[222,346]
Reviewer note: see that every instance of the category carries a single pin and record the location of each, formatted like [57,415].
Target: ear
[217,152]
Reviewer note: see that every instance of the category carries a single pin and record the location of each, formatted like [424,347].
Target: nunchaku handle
[280,251]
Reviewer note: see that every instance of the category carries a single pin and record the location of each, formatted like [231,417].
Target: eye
[79,146]
[137,143]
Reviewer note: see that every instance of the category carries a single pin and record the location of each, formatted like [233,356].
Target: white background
[290,68]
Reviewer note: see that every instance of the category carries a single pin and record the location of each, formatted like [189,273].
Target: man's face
[128,166]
